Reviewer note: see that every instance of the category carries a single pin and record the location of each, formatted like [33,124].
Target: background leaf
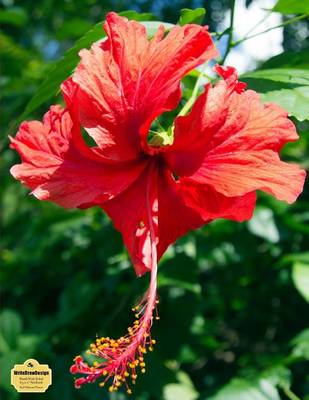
[188,16]
[241,389]
[287,87]
[292,7]
[288,59]
[300,276]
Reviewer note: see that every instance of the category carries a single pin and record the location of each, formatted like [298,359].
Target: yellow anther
[142,364]
[157,301]
[104,373]
[101,384]
[143,370]
[134,376]
[129,391]
[141,359]
[150,348]
[95,363]
[136,315]
[153,341]
[157,318]
[111,389]
[126,374]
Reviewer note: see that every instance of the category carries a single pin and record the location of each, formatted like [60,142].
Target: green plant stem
[289,393]
[230,38]
[192,98]
[290,21]
[259,22]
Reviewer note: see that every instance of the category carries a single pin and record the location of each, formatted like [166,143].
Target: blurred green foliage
[234,317]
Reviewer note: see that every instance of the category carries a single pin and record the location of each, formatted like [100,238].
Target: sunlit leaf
[184,390]
[286,87]
[188,16]
[292,7]
[300,277]
[263,225]
[301,345]
[11,326]
[241,389]
[288,59]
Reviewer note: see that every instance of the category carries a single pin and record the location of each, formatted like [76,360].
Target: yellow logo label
[31,377]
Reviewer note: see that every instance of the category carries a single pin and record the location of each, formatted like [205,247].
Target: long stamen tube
[123,358]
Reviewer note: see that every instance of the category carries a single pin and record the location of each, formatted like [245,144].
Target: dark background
[229,305]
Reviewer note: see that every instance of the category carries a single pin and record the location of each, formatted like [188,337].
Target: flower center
[162,138]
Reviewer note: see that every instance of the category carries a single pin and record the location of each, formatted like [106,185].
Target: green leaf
[11,326]
[300,276]
[241,389]
[285,86]
[279,376]
[63,68]
[288,59]
[188,16]
[14,16]
[301,345]
[263,225]
[73,28]
[292,7]
[184,390]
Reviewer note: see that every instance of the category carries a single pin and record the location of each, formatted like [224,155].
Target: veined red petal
[125,82]
[235,143]
[54,168]
[210,204]
[238,173]
[129,211]
[176,218]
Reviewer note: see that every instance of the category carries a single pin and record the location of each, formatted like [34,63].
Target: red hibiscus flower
[154,186]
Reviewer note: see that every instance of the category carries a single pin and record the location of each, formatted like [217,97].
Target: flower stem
[289,393]
[194,94]
[258,23]
[230,37]
[288,22]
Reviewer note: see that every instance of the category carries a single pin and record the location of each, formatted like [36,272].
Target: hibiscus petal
[132,210]
[237,173]
[55,170]
[176,218]
[234,143]
[132,213]
[127,81]
[210,204]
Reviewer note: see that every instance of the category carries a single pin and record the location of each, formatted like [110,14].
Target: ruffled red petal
[230,141]
[125,82]
[55,169]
